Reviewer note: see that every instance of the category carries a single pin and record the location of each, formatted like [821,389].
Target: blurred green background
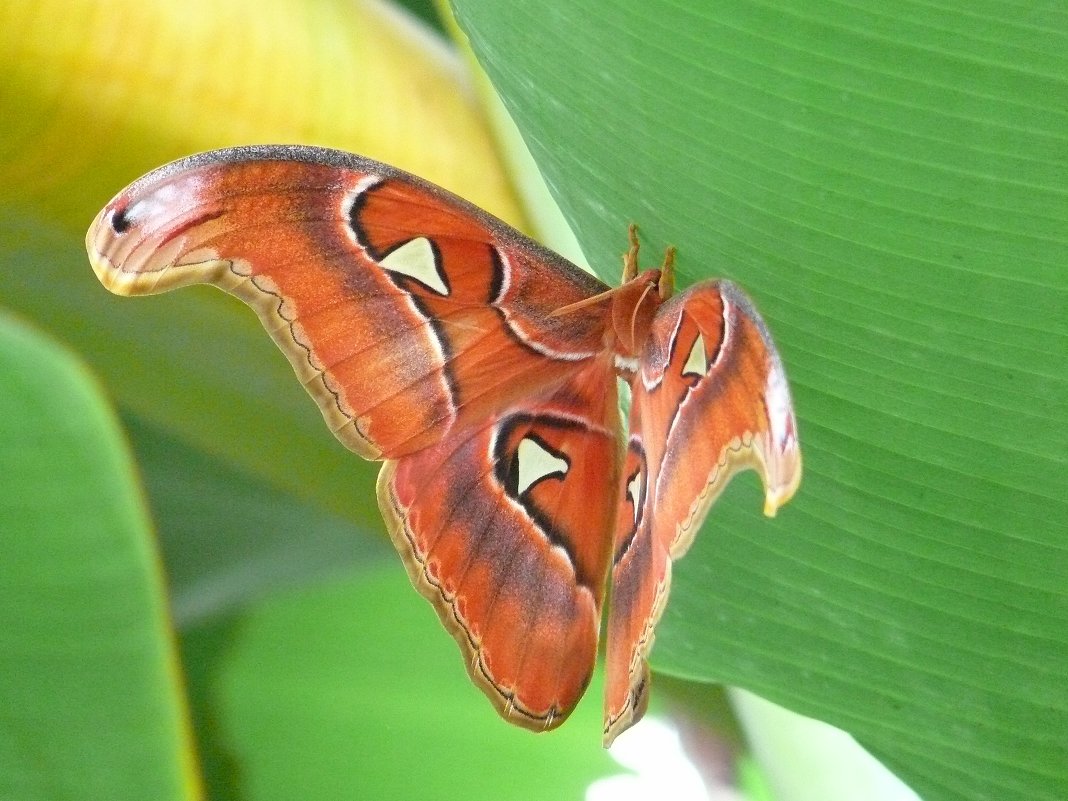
[889,184]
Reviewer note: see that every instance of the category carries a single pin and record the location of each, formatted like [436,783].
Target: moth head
[634,306]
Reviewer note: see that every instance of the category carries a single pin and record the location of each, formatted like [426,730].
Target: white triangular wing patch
[416,259]
[535,463]
[696,362]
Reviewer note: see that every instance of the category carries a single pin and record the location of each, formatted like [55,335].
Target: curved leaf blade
[91,699]
[888,182]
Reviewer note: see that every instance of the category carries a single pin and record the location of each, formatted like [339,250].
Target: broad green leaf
[889,184]
[90,698]
[349,690]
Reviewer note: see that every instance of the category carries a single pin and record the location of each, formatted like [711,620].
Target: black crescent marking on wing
[355,212]
[497,276]
[508,478]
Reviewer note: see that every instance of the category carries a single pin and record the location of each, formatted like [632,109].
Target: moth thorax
[633,307]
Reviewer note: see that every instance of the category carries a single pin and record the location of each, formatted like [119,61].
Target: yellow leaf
[96,92]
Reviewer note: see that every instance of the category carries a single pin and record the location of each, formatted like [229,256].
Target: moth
[481,369]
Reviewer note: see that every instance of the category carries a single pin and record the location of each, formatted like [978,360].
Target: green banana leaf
[890,183]
[90,701]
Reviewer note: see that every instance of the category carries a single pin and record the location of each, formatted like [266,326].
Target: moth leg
[630,259]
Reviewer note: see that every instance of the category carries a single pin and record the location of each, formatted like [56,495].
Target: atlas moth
[481,369]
